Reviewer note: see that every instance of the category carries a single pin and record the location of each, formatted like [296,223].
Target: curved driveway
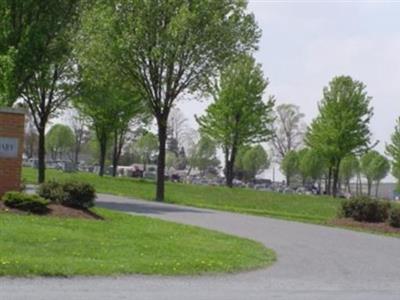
[314,262]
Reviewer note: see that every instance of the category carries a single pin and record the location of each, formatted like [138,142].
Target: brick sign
[8,147]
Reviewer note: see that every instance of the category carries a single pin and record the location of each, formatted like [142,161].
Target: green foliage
[251,161]
[238,116]
[146,147]
[78,194]
[203,156]
[60,140]
[375,167]
[69,193]
[394,216]
[349,167]
[28,33]
[393,151]
[365,209]
[342,126]
[52,190]
[25,202]
[290,165]
[311,164]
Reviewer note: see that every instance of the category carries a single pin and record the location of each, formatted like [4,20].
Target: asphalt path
[314,262]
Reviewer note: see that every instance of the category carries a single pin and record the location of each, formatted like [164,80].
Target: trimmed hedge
[22,201]
[365,209]
[394,217]
[69,193]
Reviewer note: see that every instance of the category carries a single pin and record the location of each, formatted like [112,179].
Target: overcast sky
[305,44]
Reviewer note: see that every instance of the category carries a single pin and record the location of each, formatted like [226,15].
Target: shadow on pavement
[145,208]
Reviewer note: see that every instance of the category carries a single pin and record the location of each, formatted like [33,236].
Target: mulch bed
[57,210]
[380,227]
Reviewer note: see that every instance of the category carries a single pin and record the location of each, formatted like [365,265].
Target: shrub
[365,209]
[78,194]
[394,216]
[52,190]
[26,202]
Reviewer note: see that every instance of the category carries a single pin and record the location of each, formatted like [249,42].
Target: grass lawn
[294,207]
[121,244]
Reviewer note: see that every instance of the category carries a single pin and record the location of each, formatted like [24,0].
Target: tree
[312,165]
[60,142]
[290,166]
[28,31]
[238,116]
[177,130]
[349,167]
[147,147]
[255,160]
[203,155]
[342,126]
[172,48]
[288,129]
[393,151]
[79,125]
[50,81]
[106,96]
[375,167]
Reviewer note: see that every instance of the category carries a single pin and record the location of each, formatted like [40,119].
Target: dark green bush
[26,202]
[394,216]
[365,209]
[78,194]
[52,190]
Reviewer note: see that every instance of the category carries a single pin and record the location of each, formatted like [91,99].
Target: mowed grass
[120,244]
[315,209]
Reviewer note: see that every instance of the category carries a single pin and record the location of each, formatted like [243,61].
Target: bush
[26,202]
[394,217]
[78,194]
[52,190]
[365,209]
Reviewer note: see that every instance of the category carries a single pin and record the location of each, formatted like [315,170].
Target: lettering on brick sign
[8,147]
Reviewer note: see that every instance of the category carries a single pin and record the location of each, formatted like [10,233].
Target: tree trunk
[42,155]
[377,189]
[369,187]
[115,155]
[287,180]
[229,174]
[103,152]
[328,188]
[162,137]
[336,182]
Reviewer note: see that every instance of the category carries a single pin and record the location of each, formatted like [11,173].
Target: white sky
[306,43]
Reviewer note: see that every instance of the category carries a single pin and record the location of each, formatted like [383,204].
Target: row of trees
[122,60]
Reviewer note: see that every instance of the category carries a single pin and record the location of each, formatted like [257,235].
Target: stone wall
[12,124]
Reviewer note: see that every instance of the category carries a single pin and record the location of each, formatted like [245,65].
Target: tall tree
[288,129]
[238,116]
[172,48]
[36,47]
[393,151]
[342,127]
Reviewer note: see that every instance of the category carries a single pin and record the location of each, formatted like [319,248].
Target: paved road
[314,262]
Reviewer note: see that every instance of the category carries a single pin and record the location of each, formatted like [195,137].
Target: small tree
[375,167]
[312,165]
[349,168]
[203,155]
[238,116]
[147,147]
[393,151]
[255,160]
[60,142]
[288,129]
[290,166]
